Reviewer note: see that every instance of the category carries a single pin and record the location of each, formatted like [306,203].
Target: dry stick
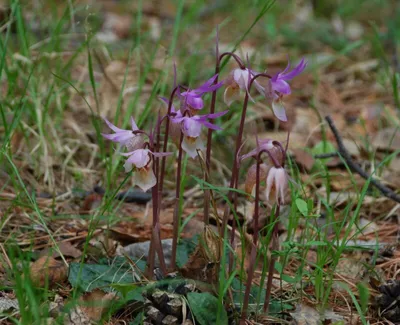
[177,199]
[386,191]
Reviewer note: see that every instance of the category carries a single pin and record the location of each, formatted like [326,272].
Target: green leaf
[238,290]
[124,288]
[204,307]
[320,148]
[106,277]
[185,248]
[302,206]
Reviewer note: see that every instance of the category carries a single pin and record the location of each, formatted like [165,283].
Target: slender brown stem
[155,238]
[177,199]
[206,216]
[271,266]
[163,159]
[233,55]
[250,272]
[233,232]
[235,169]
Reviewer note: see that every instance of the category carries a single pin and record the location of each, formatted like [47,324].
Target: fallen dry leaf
[203,263]
[46,268]
[387,139]
[65,248]
[8,304]
[305,315]
[304,158]
[94,304]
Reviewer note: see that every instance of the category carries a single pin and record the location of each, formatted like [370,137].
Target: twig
[326,155]
[386,191]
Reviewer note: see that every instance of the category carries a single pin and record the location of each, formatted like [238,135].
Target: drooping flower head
[127,138]
[140,160]
[277,180]
[239,80]
[273,172]
[191,129]
[192,97]
[278,86]
[267,145]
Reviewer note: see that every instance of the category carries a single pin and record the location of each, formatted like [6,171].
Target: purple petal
[195,102]
[296,71]
[120,137]
[112,126]
[207,84]
[161,154]
[166,101]
[287,67]
[281,86]
[215,115]
[134,125]
[191,127]
[210,88]
[210,125]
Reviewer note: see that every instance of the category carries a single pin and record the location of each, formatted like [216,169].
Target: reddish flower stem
[235,169]
[155,244]
[177,199]
[271,266]
[233,55]
[163,159]
[206,217]
[209,134]
[253,255]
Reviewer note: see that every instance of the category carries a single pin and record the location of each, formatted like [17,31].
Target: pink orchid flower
[278,86]
[192,97]
[239,80]
[125,138]
[140,160]
[277,180]
[191,128]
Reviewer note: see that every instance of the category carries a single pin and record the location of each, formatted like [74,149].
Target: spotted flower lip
[126,138]
[192,97]
[191,125]
[279,80]
[140,159]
